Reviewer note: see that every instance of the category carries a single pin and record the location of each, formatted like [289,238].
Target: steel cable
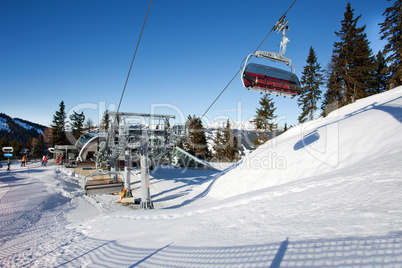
[241,67]
[138,43]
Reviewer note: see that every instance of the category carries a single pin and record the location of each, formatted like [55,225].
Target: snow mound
[362,132]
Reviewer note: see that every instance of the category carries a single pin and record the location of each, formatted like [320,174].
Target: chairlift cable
[132,61]
[241,67]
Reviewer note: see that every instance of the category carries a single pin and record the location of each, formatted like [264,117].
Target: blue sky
[80,52]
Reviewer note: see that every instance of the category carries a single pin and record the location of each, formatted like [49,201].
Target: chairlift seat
[271,80]
[97,186]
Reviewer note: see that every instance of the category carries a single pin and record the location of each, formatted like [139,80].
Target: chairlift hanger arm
[273,56]
[143,115]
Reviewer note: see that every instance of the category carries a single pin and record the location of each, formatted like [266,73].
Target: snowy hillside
[324,194]
[3,124]
[6,121]
[28,125]
[19,127]
[367,130]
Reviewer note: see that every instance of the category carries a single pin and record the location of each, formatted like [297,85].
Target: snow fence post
[146,202]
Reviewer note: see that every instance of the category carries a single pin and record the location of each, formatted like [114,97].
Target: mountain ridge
[17,130]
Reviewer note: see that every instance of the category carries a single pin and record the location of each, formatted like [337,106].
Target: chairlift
[104,185]
[268,79]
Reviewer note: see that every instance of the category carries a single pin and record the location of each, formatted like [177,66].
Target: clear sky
[80,52]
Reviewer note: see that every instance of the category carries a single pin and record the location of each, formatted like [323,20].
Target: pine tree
[230,147]
[105,123]
[197,141]
[381,74]
[391,30]
[218,145]
[352,64]
[58,126]
[17,146]
[332,98]
[3,142]
[311,81]
[264,119]
[77,124]
[29,143]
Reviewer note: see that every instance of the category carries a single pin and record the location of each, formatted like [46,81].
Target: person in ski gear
[23,161]
[8,164]
[44,160]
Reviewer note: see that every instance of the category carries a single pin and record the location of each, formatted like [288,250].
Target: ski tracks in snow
[32,225]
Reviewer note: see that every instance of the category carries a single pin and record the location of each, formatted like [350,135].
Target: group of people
[60,159]
[24,159]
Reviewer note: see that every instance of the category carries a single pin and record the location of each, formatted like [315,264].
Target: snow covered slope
[366,130]
[325,194]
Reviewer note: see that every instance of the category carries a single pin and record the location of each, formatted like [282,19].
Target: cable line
[241,67]
[138,43]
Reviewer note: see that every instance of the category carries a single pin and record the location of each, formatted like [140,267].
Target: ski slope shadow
[391,109]
[307,140]
[213,178]
[337,252]
[185,178]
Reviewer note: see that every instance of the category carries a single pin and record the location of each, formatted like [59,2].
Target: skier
[44,160]
[23,161]
[8,164]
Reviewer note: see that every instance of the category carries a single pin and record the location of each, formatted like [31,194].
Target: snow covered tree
[311,81]
[352,66]
[58,126]
[264,119]
[197,140]
[77,124]
[391,30]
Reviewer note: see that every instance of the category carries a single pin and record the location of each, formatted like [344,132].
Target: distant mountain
[18,130]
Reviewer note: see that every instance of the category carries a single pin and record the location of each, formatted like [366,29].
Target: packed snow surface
[326,193]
